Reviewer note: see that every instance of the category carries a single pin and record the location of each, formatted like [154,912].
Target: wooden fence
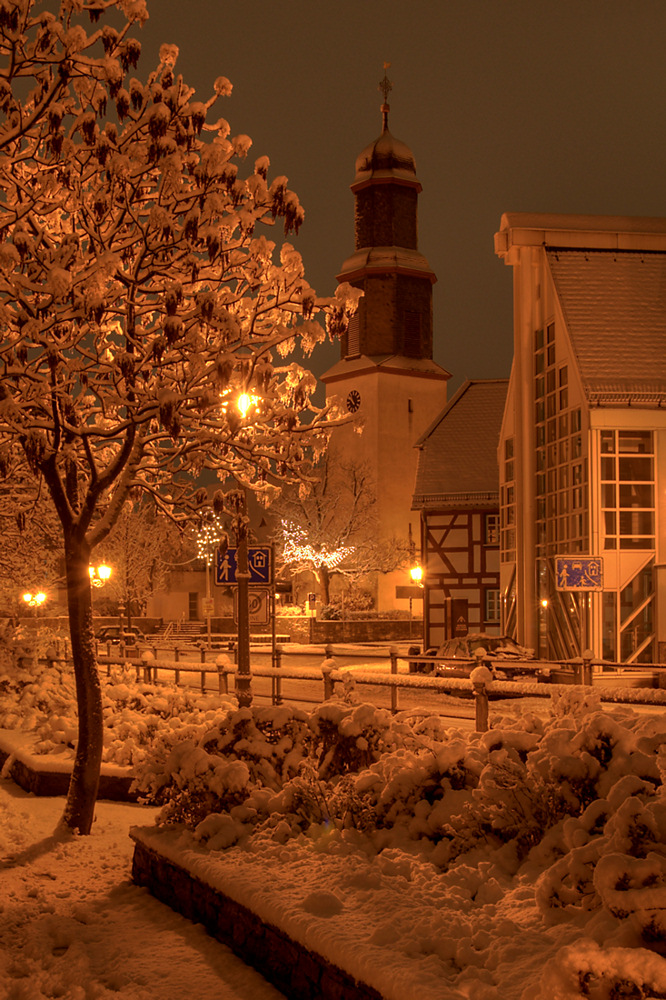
[149,668]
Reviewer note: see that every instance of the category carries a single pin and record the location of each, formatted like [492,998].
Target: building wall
[461,550]
[554,493]
[395,409]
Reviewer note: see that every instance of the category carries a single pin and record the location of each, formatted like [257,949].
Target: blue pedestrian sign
[259,564]
[579,573]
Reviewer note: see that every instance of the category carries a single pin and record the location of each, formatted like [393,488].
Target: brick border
[113,787]
[294,970]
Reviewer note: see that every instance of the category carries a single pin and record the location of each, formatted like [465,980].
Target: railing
[148,668]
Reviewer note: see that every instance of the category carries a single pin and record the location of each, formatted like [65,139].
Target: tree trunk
[82,795]
[325,584]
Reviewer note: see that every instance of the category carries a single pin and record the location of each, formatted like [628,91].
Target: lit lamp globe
[34,600]
[99,574]
[416,573]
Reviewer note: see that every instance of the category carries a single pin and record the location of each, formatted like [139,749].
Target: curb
[294,970]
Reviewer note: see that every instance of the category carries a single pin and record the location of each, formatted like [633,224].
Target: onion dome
[387,158]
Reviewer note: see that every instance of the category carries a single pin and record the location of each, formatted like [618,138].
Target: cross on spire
[385,87]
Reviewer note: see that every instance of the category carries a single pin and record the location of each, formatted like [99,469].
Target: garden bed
[49,774]
[300,973]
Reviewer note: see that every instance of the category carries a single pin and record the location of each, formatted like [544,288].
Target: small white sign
[208,606]
[259,606]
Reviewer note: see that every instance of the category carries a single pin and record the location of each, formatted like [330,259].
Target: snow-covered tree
[147,324]
[31,547]
[330,527]
[138,549]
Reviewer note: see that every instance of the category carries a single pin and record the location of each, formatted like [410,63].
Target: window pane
[635,468]
[636,522]
[608,468]
[637,442]
[636,495]
[608,495]
[608,442]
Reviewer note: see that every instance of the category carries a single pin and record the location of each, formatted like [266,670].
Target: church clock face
[353,400]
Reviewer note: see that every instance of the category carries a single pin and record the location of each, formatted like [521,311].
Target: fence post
[588,656]
[327,668]
[147,659]
[481,706]
[202,654]
[277,681]
[393,653]
[222,664]
[481,677]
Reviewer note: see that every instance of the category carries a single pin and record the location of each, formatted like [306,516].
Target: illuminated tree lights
[208,537]
[296,549]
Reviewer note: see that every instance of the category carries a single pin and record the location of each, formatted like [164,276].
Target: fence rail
[148,667]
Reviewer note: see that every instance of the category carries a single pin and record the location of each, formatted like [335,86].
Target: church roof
[457,464]
[383,259]
[394,364]
[614,307]
[387,158]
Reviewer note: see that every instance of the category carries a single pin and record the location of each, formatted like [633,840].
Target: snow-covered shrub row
[42,699]
[576,799]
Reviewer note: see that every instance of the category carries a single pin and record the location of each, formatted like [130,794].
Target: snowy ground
[73,926]
[526,863]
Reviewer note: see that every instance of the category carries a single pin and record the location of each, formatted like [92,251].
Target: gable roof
[457,464]
[614,306]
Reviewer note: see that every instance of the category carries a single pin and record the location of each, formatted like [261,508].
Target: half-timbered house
[457,494]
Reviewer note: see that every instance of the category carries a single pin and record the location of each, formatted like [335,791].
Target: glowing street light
[99,574]
[34,600]
[416,575]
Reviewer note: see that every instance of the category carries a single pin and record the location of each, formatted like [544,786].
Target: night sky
[508,105]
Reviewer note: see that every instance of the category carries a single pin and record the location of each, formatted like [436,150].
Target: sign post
[581,574]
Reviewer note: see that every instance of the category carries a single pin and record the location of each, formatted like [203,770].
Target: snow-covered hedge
[576,801]
[42,699]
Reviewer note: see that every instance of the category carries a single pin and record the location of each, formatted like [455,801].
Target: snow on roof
[614,306]
[458,452]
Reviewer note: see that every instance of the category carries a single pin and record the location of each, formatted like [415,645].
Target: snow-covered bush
[290,754]
[42,699]
[573,803]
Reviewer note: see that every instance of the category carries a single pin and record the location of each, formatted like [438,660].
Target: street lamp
[416,574]
[34,600]
[99,574]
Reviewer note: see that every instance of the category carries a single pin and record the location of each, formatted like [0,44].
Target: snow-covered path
[73,925]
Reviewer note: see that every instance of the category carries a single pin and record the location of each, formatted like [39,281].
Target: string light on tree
[296,549]
[211,530]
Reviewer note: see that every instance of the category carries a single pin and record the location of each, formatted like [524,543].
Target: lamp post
[543,628]
[416,574]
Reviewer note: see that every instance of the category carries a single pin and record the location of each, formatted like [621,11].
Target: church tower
[386,376]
